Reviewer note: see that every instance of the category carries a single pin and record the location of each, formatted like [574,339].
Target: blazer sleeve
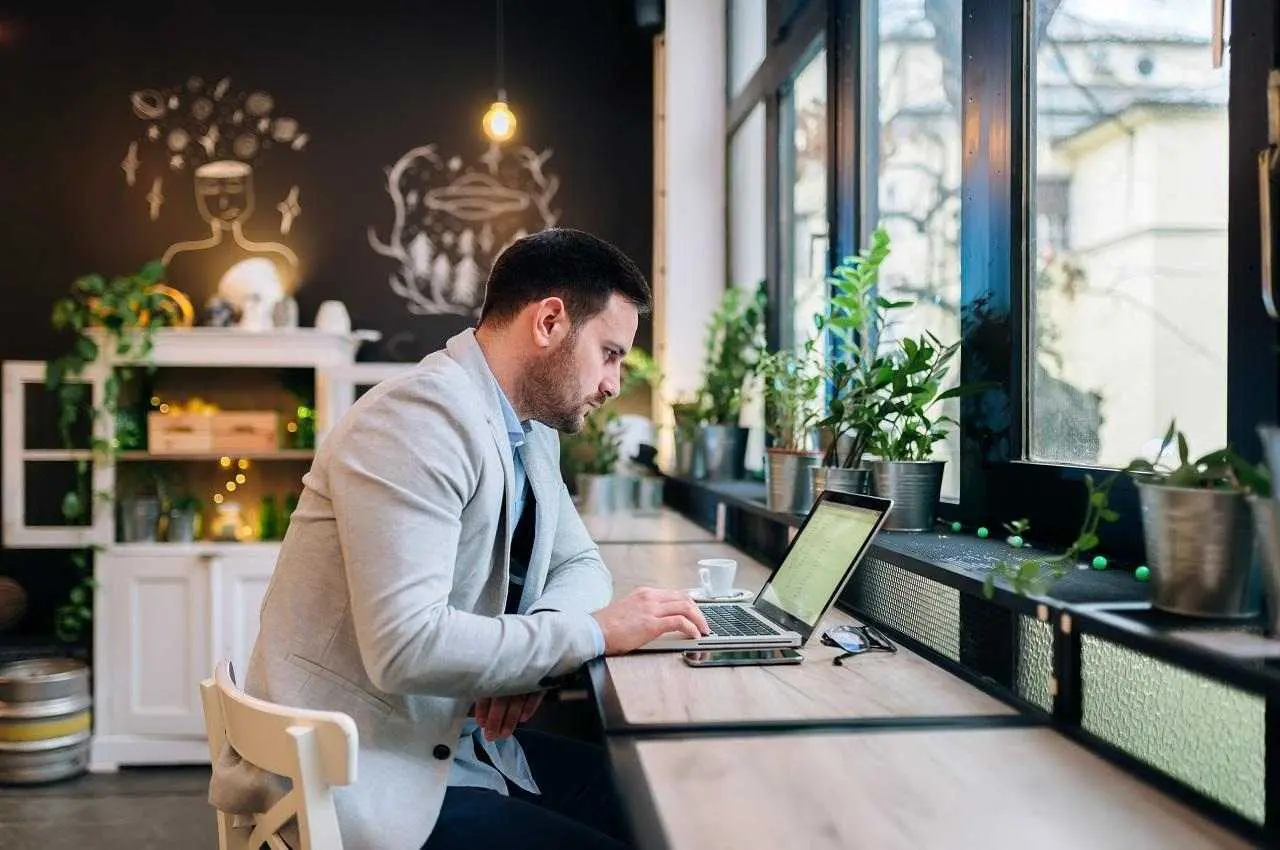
[399,477]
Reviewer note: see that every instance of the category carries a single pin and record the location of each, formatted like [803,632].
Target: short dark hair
[580,269]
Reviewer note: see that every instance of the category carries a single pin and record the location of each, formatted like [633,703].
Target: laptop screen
[819,560]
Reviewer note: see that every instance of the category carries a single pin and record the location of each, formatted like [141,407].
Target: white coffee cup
[715,575]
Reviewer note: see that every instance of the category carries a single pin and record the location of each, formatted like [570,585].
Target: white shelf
[231,347]
[281,454]
[57,454]
[198,548]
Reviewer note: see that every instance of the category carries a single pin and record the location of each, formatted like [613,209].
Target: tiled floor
[137,809]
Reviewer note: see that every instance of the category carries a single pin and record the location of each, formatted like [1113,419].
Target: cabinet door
[239,581]
[153,621]
[39,470]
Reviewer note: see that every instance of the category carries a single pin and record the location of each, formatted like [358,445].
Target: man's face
[584,370]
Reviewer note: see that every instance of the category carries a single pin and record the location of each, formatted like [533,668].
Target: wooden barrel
[45,720]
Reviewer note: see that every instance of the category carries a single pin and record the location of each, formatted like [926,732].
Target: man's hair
[580,269]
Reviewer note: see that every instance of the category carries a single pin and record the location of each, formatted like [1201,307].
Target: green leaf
[72,505]
[1183,454]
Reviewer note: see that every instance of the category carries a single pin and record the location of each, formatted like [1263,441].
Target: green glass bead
[1099,562]
[1142,573]
[955,526]
[982,532]
[1015,541]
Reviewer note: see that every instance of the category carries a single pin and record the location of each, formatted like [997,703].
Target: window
[747,201]
[806,193]
[1128,159]
[913,160]
[746,41]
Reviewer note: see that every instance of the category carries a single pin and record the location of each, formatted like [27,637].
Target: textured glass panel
[1206,734]
[1035,661]
[915,606]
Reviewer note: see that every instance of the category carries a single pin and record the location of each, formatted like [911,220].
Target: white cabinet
[162,619]
[164,613]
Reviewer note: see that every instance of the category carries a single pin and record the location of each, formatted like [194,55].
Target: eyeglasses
[855,640]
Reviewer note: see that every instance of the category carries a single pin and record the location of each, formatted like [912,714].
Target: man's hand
[647,613]
[498,716]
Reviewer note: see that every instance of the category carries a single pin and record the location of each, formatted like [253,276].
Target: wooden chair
[315,750]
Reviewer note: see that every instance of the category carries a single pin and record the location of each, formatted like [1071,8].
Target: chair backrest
[315,750]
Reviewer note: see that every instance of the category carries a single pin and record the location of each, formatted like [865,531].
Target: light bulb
[499,122]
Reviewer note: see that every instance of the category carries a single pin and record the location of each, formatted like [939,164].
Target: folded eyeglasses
[855,640]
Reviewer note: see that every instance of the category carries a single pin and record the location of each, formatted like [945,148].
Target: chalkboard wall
[334,119]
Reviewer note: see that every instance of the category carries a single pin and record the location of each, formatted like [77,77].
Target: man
[436,576]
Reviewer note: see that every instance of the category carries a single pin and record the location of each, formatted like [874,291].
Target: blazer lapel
[537,468]
[466,351]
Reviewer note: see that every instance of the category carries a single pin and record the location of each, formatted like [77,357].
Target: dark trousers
[576,809]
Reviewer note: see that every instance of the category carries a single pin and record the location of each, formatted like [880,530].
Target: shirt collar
[516,429]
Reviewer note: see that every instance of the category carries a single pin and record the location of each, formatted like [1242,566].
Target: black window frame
[997,481]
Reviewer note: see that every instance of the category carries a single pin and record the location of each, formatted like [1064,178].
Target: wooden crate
[179,433]
[246,431]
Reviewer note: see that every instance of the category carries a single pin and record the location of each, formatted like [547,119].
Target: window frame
[997,481]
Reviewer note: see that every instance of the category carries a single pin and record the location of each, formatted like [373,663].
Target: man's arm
[399,478]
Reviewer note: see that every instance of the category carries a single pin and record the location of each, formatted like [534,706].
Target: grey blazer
[388,596]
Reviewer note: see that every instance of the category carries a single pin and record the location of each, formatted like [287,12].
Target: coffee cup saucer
[738,594]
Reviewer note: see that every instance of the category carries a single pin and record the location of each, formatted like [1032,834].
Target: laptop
[817,565]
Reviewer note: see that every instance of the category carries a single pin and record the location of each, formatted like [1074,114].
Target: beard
[549,389]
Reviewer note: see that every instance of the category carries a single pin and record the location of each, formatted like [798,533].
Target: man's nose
[609,387]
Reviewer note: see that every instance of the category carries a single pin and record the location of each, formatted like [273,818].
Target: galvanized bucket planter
[597,494]
[787,480]
[914,486]
[1200,547]
[722,450]
[840,480]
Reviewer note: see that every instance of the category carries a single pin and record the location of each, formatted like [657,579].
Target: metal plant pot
[139,519]
[1266,525]
[914,486]
[688,459]
[723,450]
[840,480]
[649,489]
[596,494]
[788,483]
[1200,549]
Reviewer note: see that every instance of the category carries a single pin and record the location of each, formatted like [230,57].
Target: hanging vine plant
[108,321]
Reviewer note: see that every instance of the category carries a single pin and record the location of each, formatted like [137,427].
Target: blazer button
[441,752]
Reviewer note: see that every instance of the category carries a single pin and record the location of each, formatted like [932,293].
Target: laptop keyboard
[732,621]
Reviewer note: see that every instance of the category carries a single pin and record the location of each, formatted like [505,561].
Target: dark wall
[364,87]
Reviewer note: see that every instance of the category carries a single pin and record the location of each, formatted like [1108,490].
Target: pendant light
[499,122]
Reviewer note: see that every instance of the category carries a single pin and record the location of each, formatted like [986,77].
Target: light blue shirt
[507,754]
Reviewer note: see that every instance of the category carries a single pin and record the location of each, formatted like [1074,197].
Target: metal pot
[1266,525]
[788,484]
[1200,550]
[723,450]
[596,494]
[840,480]
[688,458]
[914,486]
[139,519]
[649,494]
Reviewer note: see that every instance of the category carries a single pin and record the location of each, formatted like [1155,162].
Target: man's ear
[551,322]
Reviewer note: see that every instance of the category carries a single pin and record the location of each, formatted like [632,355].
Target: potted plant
[735,341]
[860,378]
[106,320]
[1198,529]
[792,383]
[904,468]
[593,459]
[184,516]
[689,417]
